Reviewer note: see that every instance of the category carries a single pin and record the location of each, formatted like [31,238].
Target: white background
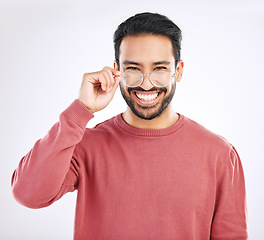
[46,46]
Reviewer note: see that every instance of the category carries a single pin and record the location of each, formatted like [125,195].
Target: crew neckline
[150,132]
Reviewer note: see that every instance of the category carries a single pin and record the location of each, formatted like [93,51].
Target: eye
[160,68]
[132,68]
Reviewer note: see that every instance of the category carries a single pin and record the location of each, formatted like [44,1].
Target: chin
[148,112]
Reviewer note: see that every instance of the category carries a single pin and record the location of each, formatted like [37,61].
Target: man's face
[147,53]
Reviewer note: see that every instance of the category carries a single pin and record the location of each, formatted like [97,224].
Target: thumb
[116,73]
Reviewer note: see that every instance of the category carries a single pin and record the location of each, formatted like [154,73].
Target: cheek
[169,88]
[173,85]
[123,89]
[122,86]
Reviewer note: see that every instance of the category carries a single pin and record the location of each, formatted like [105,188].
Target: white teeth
[147,97]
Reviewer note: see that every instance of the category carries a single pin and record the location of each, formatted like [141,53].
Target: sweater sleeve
[49,170]
[230,216]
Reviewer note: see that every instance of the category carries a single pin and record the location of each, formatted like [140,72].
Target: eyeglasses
[159,78]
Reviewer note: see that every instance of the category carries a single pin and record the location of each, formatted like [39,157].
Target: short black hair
[149,23]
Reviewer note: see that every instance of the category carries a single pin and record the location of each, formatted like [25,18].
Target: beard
[148,112]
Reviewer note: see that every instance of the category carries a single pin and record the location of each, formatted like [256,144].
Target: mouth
[146,98]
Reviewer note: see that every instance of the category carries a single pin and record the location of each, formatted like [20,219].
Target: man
[148,173]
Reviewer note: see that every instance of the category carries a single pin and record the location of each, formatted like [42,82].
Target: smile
[147,97]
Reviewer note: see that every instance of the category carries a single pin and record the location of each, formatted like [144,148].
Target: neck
[166,119]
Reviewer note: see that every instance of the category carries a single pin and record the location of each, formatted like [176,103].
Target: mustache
[162,89]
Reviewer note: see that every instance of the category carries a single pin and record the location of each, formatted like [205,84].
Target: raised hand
[98,88]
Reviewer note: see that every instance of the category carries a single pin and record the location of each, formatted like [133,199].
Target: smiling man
[148,173]
[148,97]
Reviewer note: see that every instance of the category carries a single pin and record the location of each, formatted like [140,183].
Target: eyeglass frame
[146,74]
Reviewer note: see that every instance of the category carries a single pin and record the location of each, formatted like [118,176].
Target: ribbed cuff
[78,113]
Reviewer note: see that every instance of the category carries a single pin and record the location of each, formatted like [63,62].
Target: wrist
[88,108]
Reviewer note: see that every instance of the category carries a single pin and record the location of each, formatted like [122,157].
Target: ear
[115,65]
[179,70]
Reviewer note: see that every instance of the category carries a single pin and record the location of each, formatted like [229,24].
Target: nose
[146,83]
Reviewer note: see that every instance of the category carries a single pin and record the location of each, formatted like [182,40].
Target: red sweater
[182,182]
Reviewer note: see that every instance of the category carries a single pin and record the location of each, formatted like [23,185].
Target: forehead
[146,49]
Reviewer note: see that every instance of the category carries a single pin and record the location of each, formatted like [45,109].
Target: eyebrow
[127,62]
[162,63]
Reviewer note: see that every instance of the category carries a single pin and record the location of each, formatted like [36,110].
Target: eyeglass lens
[159,78]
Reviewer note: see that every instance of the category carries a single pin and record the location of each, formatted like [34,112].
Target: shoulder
[206,138]
[101,130]
[97,138]
[211,145]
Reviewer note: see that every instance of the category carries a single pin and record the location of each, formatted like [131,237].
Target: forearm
[40,174]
